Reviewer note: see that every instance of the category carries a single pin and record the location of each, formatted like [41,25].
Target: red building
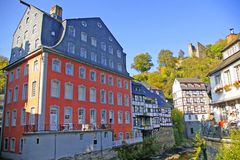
[64,75]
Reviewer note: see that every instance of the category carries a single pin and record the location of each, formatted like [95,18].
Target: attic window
[27,20]
[110,39]
[99,25]
[84,23]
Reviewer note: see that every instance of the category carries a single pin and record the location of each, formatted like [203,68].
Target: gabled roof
[233,58]
[189,80]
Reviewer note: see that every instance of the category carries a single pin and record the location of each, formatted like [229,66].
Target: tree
[142,62]
[177,117]
[166,59]
[181,54]
[3,63]
[214,50]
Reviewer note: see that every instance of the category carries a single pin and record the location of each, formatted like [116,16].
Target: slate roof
[191,84]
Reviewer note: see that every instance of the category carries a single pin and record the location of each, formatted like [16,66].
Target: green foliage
[148,148]
[214,50]
[3,63]
[142,62]
[197,142]
[231,151]
[181,53]
[166,59]
[177,118]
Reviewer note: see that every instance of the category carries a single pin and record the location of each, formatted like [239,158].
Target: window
[120,117]
[35,65]
[99,25]
[119,83]
[110,98]
[93,117]
[12,144]
[119,66]
[34,85]
[56,65]
[11,76]
[92,75]
[191,130]
[68,93]
[7,119]
[84,36]
[14,117]
[126,100]
[103,96]
[227,77]
[69,69]
[84,23]
[27,20]
[110,81]
[93,94]
[111,117]
[26,68]
[103,46]
[218,79]
[103,117]
[15,96]
[32,116]
[23,116]
[127,135]
[25,91]
[17,73]
[81,93]
[81,116]
[71,48]
[103,78]
[119,99]
[126,84]
[103,59]
[238,72]
[118,53]
[93,42]
[82,72]
[120,136]
[25,34]
[71,31]
[68,116]
[21,145]
[189,117]
[83,53]
[5,144]
[55,88]
[34,31]
[93,57]
[37,43]
[18,40]
[127,117]
[110,49]
[111,65]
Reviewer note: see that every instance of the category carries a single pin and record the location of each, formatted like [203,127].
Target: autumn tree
[177,118]
[166,59]
[142,62]
[3,63]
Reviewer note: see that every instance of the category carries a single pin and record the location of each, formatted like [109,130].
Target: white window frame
[32,116]
[7,119]
[82,89]
[56,68]
[110,49]
[82,72]
[93,57]
[66,114]
[111,116]
[93,120]
[103,46]
[103,96]
[26,69]
[103,78]
[93,97]
[70,94]
[126,100]
[56,89]
[120,117]
[23,116]
[110,82]
[18,73]
[127,117]
[71,48]
[14,117]
[15,94]
[71,71]
[119,54]
[35,65]
[95,75]
[11,76]
[83,52]
[119,99]
[4,145]
[94,41]
[119,83]
[103,116]
[125,84]
[25,91]
[81,118]
[110,98]
[71,31]
[34,87]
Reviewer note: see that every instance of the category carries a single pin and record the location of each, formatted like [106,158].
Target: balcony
[65,127]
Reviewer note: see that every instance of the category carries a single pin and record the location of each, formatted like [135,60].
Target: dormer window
[84,23]
[93,42]
[93,57]
[111,65]
[110,39]
[71,31]
[84,36]
[119,54]
[110,49]
[71,48]
[83,53]
[99,25]
[119,67]
[103,46]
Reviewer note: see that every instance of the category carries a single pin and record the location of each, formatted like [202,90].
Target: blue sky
[139,26]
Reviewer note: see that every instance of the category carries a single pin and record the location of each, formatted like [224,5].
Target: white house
[225,80]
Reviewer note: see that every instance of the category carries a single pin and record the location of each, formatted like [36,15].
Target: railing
[66,127]
[216,131]
[117,143]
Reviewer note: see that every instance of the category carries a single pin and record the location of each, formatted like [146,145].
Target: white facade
[225,83]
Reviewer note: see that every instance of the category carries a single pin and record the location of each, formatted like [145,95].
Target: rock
[173,157]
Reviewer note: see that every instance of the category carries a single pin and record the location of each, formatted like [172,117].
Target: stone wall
[165,137]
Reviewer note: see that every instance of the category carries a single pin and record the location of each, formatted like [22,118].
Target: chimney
[56,12]
[232,36]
